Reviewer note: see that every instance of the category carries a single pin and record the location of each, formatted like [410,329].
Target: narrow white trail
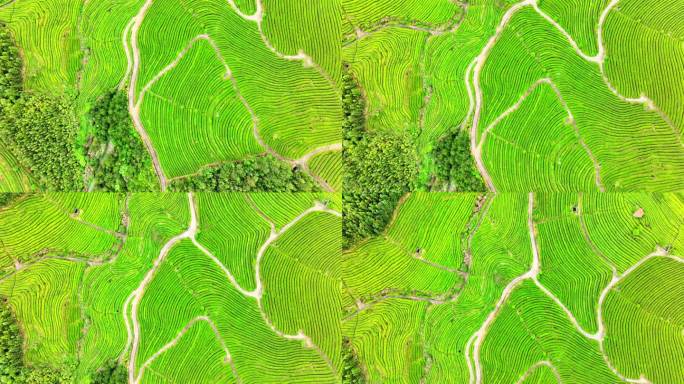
[307,61]
[228,74]
[134,110]
[303,163]
[571,119]
[598,59]
[304,160]
[132,303]
[474,343]
[127,50]
[477,69]
[227,360]
[135,101]
[275,234]
[137,295]
[537,365]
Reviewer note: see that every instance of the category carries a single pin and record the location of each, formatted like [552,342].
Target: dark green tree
[258,174]
[456,169]
[117,158]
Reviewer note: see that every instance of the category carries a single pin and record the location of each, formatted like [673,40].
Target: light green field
[452,286]
[247,305]
[225,83]
[607,114]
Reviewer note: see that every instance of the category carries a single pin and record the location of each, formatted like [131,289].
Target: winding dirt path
[474,343]
[598,59]
[135,101]
[134,109]
[571,119]
[227,360]
[543,363]
[137,294]
[477,69]
[132,303]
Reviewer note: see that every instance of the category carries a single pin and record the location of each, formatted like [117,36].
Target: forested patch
[39,130]
[257,174]
[7,198]
[111,373]
[455,167]
[351,371]
[117,159]
[380,167]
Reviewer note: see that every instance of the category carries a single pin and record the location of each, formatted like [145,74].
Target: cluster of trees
[11,343]
[455,166]
[12,368]
[258,174]
[379,168]
[7,198]
[351,369]
[40,130]
[111,373]
[116,156]
[10,67]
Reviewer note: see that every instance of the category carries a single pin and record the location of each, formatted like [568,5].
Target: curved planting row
[554,154]
[328,166]
[233,231]
[387,66]
[618,133]
[571,265]
[644,322]
[103,24]
[209,125]
[45,300]
[368,15]
[258,350]
[531,328]
[643,53]
[12,176]
[301,274]
[313,28]
[626,227]
[541,275]
[208,364]
[246,6]
[579,18]
[282,208]
[291,123]
[450,216]
[57,231]
[51,53]
[388,341]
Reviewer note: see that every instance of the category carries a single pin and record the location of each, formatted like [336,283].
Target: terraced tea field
[555,95]
[176,287]
[255,288]
[341,191]
[520,288]
[207,82]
